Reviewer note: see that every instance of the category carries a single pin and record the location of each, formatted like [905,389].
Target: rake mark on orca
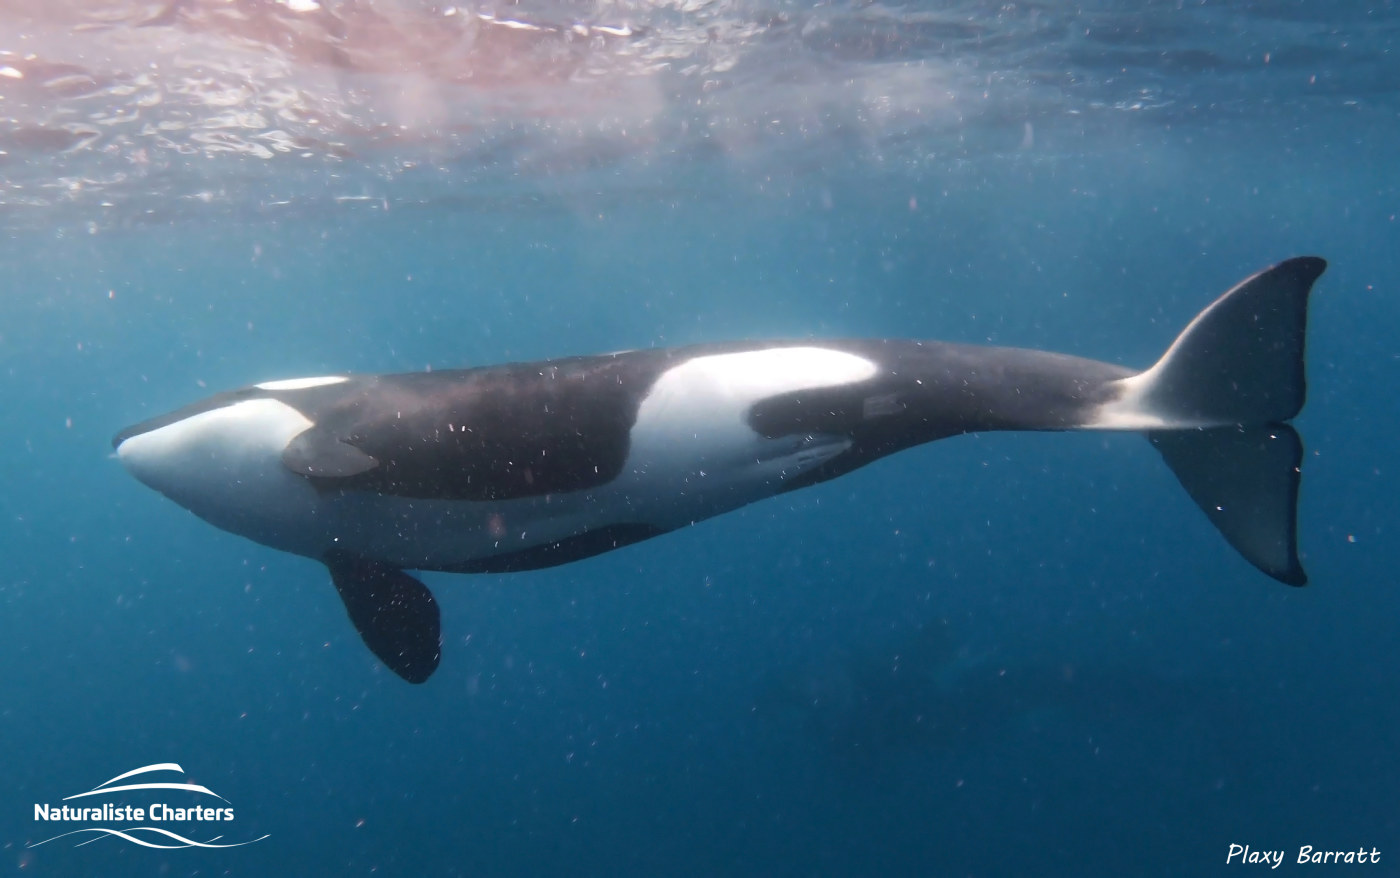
[530,465]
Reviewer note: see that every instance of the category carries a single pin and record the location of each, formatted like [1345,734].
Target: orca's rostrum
[530,465]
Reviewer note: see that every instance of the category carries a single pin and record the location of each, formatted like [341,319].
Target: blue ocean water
[999,654]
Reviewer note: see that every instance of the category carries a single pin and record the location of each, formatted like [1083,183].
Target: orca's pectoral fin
[317,453]
[395,614]
[1245,479]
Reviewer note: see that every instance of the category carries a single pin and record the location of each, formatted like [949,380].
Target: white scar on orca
[530,465]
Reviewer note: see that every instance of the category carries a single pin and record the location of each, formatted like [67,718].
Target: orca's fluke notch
[394,613]
[1215,405]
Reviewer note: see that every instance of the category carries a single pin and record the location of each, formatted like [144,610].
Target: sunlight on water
[120,112]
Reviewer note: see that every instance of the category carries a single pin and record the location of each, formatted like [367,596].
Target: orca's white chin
[225,466]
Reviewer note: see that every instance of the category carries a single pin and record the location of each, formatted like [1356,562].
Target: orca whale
[530,465]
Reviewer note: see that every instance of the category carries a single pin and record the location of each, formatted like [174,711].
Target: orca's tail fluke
[1245,479]
[1215,406]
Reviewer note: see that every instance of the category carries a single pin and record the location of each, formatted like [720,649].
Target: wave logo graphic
[158,837]
[106,786]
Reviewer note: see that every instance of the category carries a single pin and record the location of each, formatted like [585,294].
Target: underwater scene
[699,437]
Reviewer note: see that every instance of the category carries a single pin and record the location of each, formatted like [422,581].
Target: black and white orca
[529,465]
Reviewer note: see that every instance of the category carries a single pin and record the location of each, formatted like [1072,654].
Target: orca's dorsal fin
[394,613]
